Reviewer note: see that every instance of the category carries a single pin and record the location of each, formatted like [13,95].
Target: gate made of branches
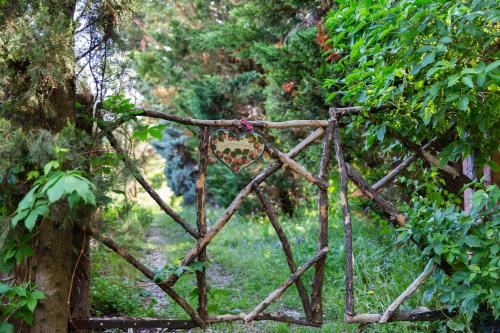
[328,131]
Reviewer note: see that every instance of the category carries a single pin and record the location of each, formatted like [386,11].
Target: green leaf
[49,166]
[479,200]
[4,288]
[31,303]
[6,328]
[467,80]
[472,241]
[481,79]
[37,294]
[33,175]
[29,199]
[453,79]
[463,103]
[42,207]
[157,131]
[445,40]
[25,315]
[73,200]
[18,216]
[428,59]
[381,133]
[57,190]
[30,221]
[494,65]
[141,134]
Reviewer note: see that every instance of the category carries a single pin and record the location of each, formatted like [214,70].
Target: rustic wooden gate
[312,304]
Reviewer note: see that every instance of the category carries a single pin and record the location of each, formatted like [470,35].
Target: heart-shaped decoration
[237,151]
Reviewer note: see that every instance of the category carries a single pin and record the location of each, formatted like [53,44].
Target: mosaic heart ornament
[237,151]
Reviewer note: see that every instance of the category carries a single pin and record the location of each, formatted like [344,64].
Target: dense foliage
[435,65]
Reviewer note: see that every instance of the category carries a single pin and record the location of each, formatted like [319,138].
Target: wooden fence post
[202,221]
[317,284]
[349,257]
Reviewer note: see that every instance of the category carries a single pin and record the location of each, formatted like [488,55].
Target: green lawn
[247,263]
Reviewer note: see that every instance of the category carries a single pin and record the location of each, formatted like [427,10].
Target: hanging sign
[237,152]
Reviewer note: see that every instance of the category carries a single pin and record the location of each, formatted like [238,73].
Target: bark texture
[54,264]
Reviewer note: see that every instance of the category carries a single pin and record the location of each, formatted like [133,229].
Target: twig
[68,301]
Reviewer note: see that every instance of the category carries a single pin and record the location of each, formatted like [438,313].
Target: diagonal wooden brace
[297,168]
[235,204]
[433,160]
[148,188]
[148,273]
[388,206]
[429,268]
[284,286]
[400,168]
[285,244]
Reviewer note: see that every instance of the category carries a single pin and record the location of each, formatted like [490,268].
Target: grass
[248,263]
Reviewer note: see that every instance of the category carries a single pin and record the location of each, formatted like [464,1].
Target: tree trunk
[54,259]
[53,273]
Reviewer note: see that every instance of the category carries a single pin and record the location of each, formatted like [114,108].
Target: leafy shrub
[468,243]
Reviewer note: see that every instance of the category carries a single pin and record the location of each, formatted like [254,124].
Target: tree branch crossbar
[329,130]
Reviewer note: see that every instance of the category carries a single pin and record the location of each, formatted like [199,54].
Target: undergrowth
[247,263]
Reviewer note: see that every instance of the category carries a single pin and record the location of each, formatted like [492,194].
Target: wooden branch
[354,110]
[297,167]
[264,316]
[91,49]
[172,324]
[387,206]
[433,160]
[148,273]
[319,273]
[349,256]
[285,244]
[420,314]
[284,286]
[131,322]
[429,268]
[235,204]
[400,168]
[201,220]
[231,122]
[148,188]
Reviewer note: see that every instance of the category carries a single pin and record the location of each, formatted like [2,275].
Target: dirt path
[157,257]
